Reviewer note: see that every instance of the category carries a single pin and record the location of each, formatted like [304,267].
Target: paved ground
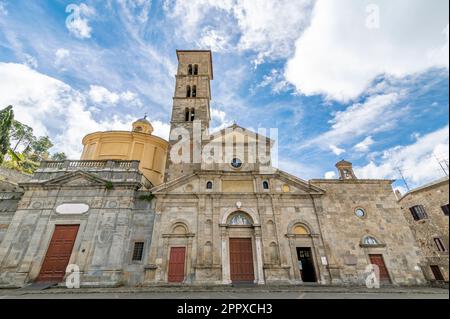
[235,293]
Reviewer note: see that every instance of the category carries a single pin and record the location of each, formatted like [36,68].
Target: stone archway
[303,243]
[240,225]
[177,241]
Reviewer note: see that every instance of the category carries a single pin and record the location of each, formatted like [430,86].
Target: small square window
[138,251]
[418,212]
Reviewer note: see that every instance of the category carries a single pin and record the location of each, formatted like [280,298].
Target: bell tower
[190,111]
[345,170]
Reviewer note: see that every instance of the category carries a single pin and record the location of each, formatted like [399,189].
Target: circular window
[360,213]
[236,163]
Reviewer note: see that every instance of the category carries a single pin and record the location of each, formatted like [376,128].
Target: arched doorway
[241,249]
[303,250]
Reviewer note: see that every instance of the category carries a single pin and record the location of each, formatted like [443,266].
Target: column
[225,256]
[259,258]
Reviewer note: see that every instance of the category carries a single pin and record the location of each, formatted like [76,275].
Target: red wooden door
[176,264]
[241,260]
[58,253]
[378,260]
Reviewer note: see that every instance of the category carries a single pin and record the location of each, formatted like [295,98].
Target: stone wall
[432,196]
[343,231]
[117,217]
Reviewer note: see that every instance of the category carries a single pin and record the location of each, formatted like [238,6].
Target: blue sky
[339,79]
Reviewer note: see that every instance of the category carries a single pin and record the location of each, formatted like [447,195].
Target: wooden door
[378,260]
[306,264]
[58,253]
[241,260]
[437,273]
[176,264]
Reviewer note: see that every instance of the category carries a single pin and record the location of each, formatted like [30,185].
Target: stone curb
[61,290]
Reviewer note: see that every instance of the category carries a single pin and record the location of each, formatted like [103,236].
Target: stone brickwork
[205,216]
[183,103]
[218,223]
[344,232]
[117,217]
[432,197]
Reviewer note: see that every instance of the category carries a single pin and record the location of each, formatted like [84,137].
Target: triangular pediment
[184,184]
[238,133]
[76,179]
[297,185]
[195,183]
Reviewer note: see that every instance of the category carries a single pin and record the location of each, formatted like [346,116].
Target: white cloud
[218,115]
[219,120]
[161,129]
[61,56]
[364,145]
[3,10]
[101,95]
[330,175]
[271,27]
[77,21]
[375,115]
[338,56]
[214,40]
[266,27]
[416,160]
[53,108]
[336,150]
[275,80]
[136,10]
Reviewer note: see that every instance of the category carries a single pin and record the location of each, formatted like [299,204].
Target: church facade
[218,212]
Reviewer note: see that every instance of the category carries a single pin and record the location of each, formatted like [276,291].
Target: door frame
[313,260]
[45,238]
[252,243]
[38,266]
[185,264]
[391,279]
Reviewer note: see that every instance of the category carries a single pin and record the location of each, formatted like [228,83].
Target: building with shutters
[426,210]
[202,208]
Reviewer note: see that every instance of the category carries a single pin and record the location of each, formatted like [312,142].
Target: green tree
[39,149]
[21,134]
[61,156]
[6,118]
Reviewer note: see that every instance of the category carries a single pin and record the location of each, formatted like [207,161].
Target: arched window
[239,218]
[265,185]
[186,114]
[195,69]
[194,91]
[370,241]
[188,91]
[209,185]
[179,229]
[300,230]
[192,115]
[190,69]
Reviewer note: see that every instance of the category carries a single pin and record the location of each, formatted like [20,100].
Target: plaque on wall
[350,260]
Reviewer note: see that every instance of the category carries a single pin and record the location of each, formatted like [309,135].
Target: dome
[143,125]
